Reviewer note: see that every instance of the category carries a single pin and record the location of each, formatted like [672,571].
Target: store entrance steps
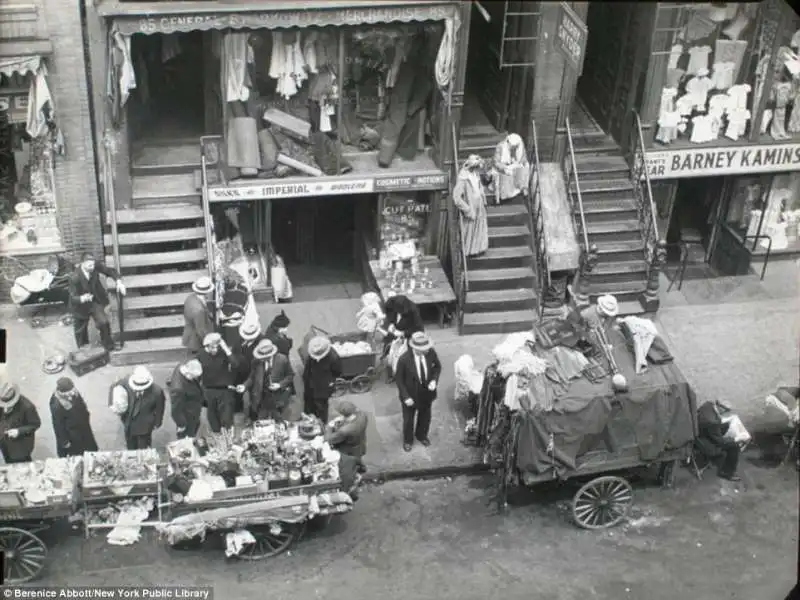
[612,222]
[500,298]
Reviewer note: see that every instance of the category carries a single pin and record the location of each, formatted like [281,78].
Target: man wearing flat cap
[320,373]
[220,372]
[186,397]
[417,378]
[19,421]
[198,322]
[71,421]
[269,385]
[140,404]
[88,299]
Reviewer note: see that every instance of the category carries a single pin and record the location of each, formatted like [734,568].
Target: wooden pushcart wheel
[340,387]
[24,552]
[271,542]
[361,384]
[603,502]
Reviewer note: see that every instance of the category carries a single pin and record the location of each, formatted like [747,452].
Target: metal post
[339,111]
[659,258]
[588,262]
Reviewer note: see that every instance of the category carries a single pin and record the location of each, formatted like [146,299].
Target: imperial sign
[700,162]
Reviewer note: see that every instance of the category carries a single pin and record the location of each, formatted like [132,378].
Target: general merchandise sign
[571,37]
[702,162]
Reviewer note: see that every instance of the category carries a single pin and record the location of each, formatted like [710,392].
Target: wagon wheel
[24,554]
[340,387]
[601,503]
[361,384]
[270,543]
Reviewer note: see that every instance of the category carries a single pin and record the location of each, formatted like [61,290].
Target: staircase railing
[533,202]
[111,206]
[459,258]
[210,155]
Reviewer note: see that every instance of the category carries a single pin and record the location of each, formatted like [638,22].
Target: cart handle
[316,329]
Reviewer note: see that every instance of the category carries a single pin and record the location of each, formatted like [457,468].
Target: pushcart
[359,371]
[37,302]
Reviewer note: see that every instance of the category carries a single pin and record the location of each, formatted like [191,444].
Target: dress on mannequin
[668,127]
[722,77]
[698,59]
[698,88]
[702,129]
[738,95]
[782,93]
[674,56]
[684,105]
[737,123]
[667,100]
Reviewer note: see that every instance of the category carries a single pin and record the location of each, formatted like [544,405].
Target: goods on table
[120,468]
[109,513]
[352,348]
[41,482]
[126,516]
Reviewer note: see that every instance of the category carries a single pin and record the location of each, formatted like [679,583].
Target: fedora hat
[265,349]
[64,385]
[212,339]
[607,305]
[249,331]
[319,347]
[140,380]
[9,392]
[203,285]
[193,368]
[421,342]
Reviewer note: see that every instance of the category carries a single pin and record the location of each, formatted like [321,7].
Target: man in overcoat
[417,378]
[198,321]
[186,397]
[220,372]
[140,404]
[270,382]
[320,372]
[19,421]
[71,421]
[88,299]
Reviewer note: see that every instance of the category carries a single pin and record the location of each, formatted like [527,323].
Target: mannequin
[698,59]
[781,92]
[794,116]
[698,89]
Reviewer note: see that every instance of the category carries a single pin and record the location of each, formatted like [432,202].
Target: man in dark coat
[268,389]
[248,336]
[417,378]
[198,321]
[220,372]
[348,432]
[19,421]
[71,421]
[140,404]
[320,373]
[88,300]
[713,443]
[278,334]
[186,397]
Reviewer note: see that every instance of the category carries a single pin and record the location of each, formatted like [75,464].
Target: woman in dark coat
[71,422]
[277,333]
[402,317]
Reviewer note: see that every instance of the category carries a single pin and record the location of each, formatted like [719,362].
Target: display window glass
[781,115]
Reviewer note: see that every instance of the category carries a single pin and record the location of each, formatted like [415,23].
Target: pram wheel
[361,384]
[340,387]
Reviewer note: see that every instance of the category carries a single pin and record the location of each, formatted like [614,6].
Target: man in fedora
[600,315]
[250,334]
[198,322]
[220,372]
[19,421]
[186,397]
[88,299]
[269,385]
[417,378]
[142,412]
[320,373]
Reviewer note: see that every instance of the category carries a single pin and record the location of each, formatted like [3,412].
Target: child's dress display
[738,96]
[722,76]
[737,123]
[782,93]
[698,59]
[674,56]
[702,129]
[668,127]
[698,88]
[684,105]
[794,116]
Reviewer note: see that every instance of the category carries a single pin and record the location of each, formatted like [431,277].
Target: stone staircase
[162,251]
[610,210]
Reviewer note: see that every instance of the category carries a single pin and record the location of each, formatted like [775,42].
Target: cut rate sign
[690,162]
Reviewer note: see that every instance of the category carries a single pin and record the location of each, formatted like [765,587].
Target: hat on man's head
[64,385]
[140,380]
[249,331]
[319,347]
[203,285]
[607,305]
[232,320]
[193,368]
[346,408]
[420,341]
[265,349]
[280,321]
[212,339]
[9,392]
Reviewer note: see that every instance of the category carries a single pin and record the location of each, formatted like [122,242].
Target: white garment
[702,129]
[736,432]
[674,56]
[310,52]
[668,95]
[668,127]
[722,76]
[127,77]
[755,221]
[698,89]
[718,104]
[38,98]
[737,123]
[684,104]
[468,378]
[738,95]
[236,53]
[779,239]
[698,59]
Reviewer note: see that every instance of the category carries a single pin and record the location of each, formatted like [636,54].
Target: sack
[281,286]
[250,313]
[396,350]
[269,149]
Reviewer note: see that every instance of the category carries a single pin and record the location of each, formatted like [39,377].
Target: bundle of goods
[125,517]
[268,456]
[121,472]
[39,483]
[352,348]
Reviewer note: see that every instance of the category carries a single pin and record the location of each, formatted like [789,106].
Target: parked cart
[359,368]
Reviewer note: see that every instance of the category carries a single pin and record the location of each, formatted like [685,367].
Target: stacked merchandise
[49,482]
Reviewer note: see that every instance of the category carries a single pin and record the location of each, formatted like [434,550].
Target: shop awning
[170,17]
[21,65]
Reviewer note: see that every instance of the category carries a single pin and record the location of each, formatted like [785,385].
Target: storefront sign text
[571,36]
[258,19]
[276,190]
[411,182]
[673,164]
[16,105]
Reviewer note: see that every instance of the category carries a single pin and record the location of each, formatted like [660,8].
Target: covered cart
[358,356]
[561,418]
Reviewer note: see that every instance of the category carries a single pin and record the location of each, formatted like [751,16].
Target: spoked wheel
[272,540]
[340,387]
[601,503]
[361,384]
[24,552]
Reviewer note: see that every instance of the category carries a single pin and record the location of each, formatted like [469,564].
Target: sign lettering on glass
[260,191]
[690,162]
[412,182]
[403,217]
[571,36]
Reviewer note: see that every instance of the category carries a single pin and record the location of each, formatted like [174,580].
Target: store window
[701,82]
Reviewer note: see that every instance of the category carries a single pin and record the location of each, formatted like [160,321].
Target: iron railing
[533,202]
[755,239]
[112,217]
[210,156]
[459,259]
[643,192]
[570,171]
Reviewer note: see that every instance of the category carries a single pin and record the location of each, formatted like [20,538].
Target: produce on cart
[566,402]
[42,482]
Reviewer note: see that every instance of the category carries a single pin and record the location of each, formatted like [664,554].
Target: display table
[441,295]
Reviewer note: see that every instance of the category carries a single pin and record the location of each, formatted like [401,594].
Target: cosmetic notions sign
[691,162]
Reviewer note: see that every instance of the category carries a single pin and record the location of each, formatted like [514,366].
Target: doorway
[694,216]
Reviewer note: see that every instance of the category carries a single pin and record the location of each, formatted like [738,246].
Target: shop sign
[571,36]
[691,162]
[301,17]
[411,182]
[16,105]
[291,189]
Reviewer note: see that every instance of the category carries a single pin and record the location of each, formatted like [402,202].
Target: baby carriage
[36,290]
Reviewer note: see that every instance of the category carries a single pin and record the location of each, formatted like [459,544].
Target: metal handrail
[755,239]
[112,212]
[460,216]
[536,219]
[654,223]
[460,275]
[208,220]
[574,172]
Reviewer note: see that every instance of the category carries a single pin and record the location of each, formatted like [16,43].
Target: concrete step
[591,166]
[173,300]
[610,211]
[623,290]
[618,230]
[166,278]
[504,237]
[619,271]
[499,322]
[596,144]
[624,250]
[164,350]
[191,200]
[157,237]
[197,255]
[506,257]
[500,300]
[501,279]
[165,169]
[594,186]
[507,215]
[165,186]
[158,323]
[157,215]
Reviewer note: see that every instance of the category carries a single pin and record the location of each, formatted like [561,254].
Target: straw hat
[420,342]
[265,349]
[607,305]
[212,339]
[9,392]
[233,320]
[319,347]
[193,368]
[203,285]
[140,380]
[619,383]
[249,331]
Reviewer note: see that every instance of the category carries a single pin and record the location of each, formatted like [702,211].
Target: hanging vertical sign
[571,36]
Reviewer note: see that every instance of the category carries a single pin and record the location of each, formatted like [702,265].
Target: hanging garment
[668,127]
[722,75]
[40,104]
[699,27]
[738,95]
[242,143]
[170,46]
[667,105]
[737,123]
[643,333]
[737,27]
[127,77]
[470,199]
[400,54]
[684,105]
[237,54]
[702,129]
[674,56]
[728,51]
[698,59]
[310,52]
[697,88]
[766,121]
[511,170]
[794,117]
[445,58]
[718,104]
[782,94]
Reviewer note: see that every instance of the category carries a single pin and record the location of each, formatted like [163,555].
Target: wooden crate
[93,490]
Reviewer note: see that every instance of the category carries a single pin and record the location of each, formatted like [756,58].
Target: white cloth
[511,170]
[37,280]
[509,346]
[737,123]
[468,378]
[697,88]
[738,95]
[281,284]
[127,77]
[702,129]
[236,541]
[698,59]
[675,55]
[236,54]
[722,75]
[684,104]
[718,104]
[644,332]
[736,432]
[668,127]
[668,95]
